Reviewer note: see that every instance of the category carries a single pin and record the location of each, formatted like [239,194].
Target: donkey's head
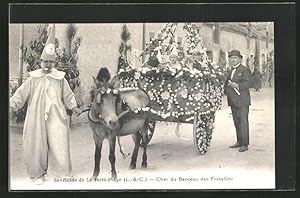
[105,104]
[105,98]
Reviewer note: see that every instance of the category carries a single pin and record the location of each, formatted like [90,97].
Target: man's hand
[76,111]
[233,84]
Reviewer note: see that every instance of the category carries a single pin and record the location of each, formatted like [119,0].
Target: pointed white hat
[174,51]
[49,49]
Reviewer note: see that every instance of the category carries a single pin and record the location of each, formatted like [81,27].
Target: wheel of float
[195,132]
[202,133]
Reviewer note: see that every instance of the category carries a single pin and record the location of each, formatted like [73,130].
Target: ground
[170,157]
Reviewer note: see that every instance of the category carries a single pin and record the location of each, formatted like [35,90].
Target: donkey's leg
[112,157]
[144,162]
[145,140]
[137,138]
[97,157]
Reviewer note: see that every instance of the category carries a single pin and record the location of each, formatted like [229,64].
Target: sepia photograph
[129,106]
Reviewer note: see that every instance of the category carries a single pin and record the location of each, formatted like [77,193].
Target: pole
[144,42]
[20,79]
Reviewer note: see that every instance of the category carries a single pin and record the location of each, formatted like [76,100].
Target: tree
[123,62]
[67,59]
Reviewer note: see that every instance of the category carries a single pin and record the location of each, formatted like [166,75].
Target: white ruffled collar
[54,74]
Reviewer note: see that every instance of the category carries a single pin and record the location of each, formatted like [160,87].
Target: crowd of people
[265,77]
[262,77]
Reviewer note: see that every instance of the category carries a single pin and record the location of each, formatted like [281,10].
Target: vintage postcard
[131,106]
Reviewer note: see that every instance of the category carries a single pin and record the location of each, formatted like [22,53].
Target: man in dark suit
[236,88]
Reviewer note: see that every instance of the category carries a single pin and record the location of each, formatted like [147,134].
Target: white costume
[45,132]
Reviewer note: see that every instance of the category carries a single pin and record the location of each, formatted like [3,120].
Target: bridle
[100,119]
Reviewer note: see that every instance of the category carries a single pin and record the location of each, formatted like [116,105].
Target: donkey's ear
[115,82]
[95,81]
[98,98]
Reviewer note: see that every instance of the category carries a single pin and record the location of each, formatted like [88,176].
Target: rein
[99,120]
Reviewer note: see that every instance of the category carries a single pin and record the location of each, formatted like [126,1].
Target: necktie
[232,73]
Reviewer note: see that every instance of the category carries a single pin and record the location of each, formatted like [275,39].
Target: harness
[99,120]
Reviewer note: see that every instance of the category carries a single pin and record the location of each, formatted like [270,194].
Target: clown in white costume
[46,132]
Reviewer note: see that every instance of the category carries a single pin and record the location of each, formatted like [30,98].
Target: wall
[230,41]
[30,31]
[100,48]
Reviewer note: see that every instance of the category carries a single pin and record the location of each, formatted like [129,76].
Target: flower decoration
[198,96]
[150,94]
[183,92]
[163,41]
[137,75]
[165,95]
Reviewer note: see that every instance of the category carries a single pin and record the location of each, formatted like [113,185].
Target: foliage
[33,52]
[124,48]
[67,59]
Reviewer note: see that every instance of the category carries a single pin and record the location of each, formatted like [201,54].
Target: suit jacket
[243,78]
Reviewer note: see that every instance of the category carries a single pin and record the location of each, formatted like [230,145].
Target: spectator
[237,88]
[256,79]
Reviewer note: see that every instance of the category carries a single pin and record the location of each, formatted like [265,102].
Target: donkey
[108,121]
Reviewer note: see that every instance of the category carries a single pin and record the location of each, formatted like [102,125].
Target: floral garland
[193,37]
[204,129]
[166,37]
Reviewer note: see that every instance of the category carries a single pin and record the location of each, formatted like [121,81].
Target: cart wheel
[195,133]
[202,132]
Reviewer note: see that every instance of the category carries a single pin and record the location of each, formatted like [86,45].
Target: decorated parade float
[187,90]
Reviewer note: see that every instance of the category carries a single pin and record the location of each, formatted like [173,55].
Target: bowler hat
[235,53]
